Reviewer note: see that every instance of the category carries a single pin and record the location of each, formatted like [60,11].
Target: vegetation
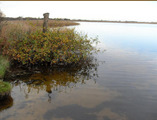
[1,19]
[28,45]
[53,23]
[5,87]
[4,64]
[39,23]
[24,43]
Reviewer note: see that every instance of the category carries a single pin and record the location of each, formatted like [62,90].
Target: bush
[56,46]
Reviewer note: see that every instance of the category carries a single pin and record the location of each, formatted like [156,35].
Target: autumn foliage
[57,46]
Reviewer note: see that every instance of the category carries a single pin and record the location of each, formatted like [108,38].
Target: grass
[5,87]
[12,30]
[4,64]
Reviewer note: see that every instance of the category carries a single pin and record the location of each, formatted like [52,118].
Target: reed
[39,23]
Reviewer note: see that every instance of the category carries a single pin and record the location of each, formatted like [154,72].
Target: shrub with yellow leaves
[57,46]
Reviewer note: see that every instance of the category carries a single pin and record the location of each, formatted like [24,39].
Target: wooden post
[45,24]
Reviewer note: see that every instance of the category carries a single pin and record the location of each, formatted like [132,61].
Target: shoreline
[133,22]
[76,20]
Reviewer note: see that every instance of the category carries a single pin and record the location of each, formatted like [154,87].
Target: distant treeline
[31,18]
[77,20]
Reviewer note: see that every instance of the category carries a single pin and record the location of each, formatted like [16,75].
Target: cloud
[107,113]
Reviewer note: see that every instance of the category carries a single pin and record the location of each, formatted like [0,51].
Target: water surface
[120,85]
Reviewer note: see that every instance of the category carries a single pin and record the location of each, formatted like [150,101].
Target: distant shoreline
[136,22]
[78,20]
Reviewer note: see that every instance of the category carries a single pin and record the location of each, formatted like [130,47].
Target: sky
[89,10]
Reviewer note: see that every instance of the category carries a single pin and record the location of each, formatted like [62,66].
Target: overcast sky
[95,10]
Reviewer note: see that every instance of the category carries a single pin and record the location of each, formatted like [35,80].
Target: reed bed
[39,23]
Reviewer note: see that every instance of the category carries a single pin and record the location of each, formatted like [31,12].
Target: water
[122,85]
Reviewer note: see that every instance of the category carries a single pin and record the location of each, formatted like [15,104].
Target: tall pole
[45,24]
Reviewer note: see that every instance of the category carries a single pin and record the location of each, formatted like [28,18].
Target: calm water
[120,85]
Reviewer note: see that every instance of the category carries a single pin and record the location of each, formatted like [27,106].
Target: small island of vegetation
[5,89]
[23,43]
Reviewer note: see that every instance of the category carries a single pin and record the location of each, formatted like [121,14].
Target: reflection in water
[6,103]
[82,113]
[107,113]
[57,79]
